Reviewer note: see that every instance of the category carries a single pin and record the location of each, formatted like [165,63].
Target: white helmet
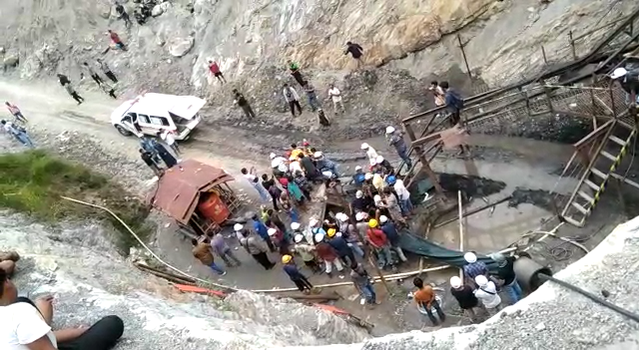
[313,222]
[618,72]
[379,159]
[364,146]
[271,231]
[470,257]
[295,225]
[368,176]
[359,194]
[317,154]
[383,219]
[319,237]
[238,227]
[344,217]
[390,129]
[481,280]
[272,155]
[361,216]
[358,168]
[455,282]
[377,198]
[298,238]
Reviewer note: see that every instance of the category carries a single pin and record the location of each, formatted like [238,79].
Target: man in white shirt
[250,175]
[371,153]
[291,96]
[169,138]
[403,194]
[336,97]
[487,293]
[278,163]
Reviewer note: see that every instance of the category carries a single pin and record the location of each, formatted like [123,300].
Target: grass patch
[33,181]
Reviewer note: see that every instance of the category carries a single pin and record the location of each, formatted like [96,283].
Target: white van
[151,113]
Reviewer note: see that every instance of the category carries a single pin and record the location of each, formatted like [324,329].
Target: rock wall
[410,41]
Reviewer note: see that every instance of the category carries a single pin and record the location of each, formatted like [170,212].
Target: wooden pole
[461,227]
[425,163]
[380,275]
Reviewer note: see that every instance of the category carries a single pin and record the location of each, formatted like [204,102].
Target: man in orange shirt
[426,299]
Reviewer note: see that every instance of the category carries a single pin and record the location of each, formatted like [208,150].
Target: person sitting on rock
[25,324]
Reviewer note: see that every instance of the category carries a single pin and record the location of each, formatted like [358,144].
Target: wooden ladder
[593,181]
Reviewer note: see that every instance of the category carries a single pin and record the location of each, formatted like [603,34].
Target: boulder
[179,47]
[157,10]
[11,60]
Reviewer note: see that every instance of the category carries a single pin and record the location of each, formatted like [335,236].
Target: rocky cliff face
[406,42]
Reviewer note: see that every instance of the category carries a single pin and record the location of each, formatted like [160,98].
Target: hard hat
[295,225]
[618,72]
[359,194]
[499,258]
[379,159]
[358,168]
[327,173]
[317,154]
[391,179]
[455,282]
[313,222]
[360,216]
[331,232]
[377,198]
[272,155]
[364,146]
[481,280]
[390,129]
[305,143]
[338,234]
[238,227]
[368,176]
[470,257]
[298,238]
[373,223]
[286,259]
[383,219]
[344,217]
[319,237]
[272,231]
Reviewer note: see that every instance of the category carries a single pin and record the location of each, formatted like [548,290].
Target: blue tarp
[427,249]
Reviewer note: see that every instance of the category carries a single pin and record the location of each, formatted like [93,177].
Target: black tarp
[424,248]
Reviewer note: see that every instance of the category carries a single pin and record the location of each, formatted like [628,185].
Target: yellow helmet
[373,223]
[286,259]
[331,232]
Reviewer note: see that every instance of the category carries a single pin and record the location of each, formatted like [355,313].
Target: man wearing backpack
[454,103]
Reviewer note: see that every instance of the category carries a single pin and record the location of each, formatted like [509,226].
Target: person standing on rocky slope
[107,70]
[115,39]
[92,73]
[214,68]
[312,98]
[395,138]
[15,112]
[336,97]
[294,69]
[71,91]
[241,101]
[356,52]
[202,252]
[291,96]
[123,15]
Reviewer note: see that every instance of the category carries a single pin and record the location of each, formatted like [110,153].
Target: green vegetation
[32,182]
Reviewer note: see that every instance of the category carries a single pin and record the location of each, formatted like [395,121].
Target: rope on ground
[146,247]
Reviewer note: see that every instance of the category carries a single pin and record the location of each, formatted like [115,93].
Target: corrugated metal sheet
[179,190]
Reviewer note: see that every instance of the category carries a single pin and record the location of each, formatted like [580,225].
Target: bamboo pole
[461,228]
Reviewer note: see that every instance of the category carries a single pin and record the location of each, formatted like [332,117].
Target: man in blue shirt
[390,231]
[294,274]
[455,104]
[261,229]
[358,177]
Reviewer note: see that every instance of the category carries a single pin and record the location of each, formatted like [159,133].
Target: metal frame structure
[546,93]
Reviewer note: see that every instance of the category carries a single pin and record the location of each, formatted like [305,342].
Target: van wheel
[123,131]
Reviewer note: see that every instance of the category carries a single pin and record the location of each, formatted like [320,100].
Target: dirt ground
[519,163]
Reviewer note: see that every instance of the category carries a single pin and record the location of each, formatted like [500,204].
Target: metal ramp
[601,168]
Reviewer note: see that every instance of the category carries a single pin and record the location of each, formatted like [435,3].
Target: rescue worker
[362,281]
[256,247]
[393,236]
[305,250]
[292,98]
[379,243]
[214,68]
[329,255]
[92,73]
[356,52]
[341,247]
[295,275]
[372,155]
[425,298]
[202,252]
[240,100]
[294,69]
[107,70]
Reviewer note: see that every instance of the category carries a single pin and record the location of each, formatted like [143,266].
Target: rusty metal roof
[179,189]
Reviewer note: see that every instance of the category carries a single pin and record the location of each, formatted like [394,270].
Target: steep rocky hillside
[406,42]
